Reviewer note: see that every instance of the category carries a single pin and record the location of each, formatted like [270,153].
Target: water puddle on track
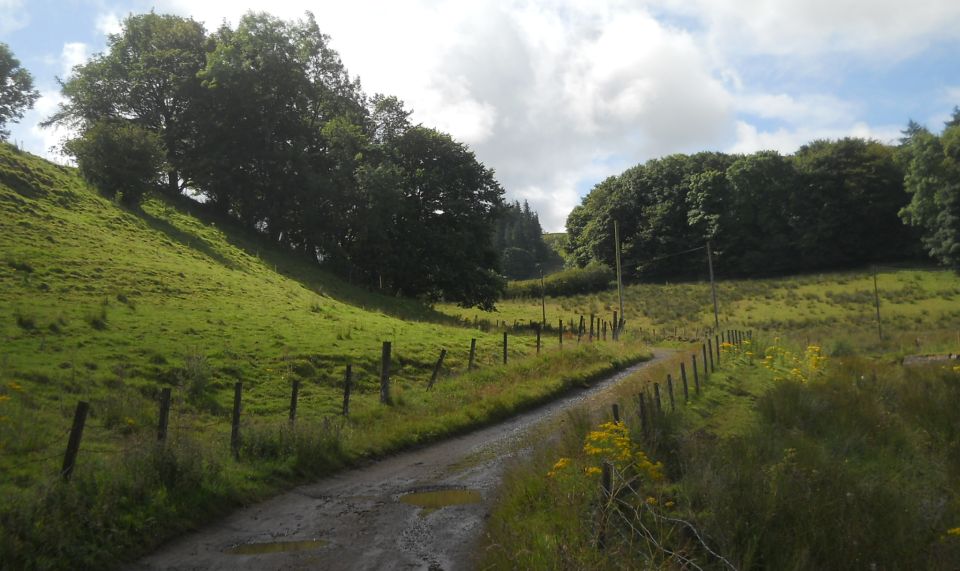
[275,547]
[431,501]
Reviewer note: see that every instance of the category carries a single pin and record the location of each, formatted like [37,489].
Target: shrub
[574,281]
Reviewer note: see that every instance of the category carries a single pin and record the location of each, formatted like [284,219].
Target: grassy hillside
[105,305]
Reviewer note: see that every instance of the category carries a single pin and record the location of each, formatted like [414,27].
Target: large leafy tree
[147,76]
[932,166]
[16,90]
[447,205]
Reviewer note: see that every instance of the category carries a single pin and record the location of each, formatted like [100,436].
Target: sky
[557,95]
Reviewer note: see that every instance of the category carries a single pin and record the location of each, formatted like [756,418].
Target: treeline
[518,237]
[264,123]
[831,204]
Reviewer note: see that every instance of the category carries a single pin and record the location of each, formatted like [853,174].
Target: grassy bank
[805,463]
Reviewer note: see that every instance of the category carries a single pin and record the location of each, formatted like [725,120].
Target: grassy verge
[130,494]
[803,464]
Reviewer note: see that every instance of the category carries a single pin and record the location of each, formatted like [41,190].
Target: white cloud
[788,140]
[880,29]
[73,54]
[108,23]
[13,16]
[815,109]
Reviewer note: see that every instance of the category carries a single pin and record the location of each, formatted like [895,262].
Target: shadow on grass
[297,267]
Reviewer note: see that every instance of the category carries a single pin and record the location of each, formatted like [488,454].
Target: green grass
[107,305]
[920,308]
[858,466]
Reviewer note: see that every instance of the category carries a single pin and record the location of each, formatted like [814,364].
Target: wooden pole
[876,299]
[385,373]
[683,374]
[710,354]
[164,420]
[673,404]
[473,354]
[543,297]
[643,417]
[294,394]
[713,286]
[538,340]
[347,383]
[686,390]
[616,412]
[656,393]
[616,239]
[693,362]
[235,422]
[696,382]
[73,444]
[613,331]
[504,347]
[437,367]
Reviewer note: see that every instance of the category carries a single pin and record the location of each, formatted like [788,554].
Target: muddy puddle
[275,547]
[434,500]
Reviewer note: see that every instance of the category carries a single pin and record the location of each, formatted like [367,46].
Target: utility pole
[876,299]
[543,298]
[616,239]
[713,287]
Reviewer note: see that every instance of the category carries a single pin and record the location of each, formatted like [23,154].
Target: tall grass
[856,468]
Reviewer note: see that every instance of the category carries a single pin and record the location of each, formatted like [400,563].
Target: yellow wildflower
[953,531]
[651,500]
[4,398]
[592,470]
[15,386]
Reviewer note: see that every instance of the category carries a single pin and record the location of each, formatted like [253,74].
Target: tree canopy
[263,122]
[16,90]
[932,167]
[831,204]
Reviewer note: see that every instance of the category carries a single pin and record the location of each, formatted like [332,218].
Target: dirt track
[357,520]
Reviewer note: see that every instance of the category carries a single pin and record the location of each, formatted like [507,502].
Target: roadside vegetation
[790,459]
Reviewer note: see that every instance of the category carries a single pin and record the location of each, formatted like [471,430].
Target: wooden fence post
[591,327]
[347,382]
[73,444]
[673,404]
[538,339]
[436,368]
[696,382]
[606,484]
[656,393]
[686,390]
[616,412]
[561,335]
[504,347]
[164,420]
[708,352]
[613,324]
[693,363]
[643,417]
[385,372]
[294,395]
[473,354]
[235,423]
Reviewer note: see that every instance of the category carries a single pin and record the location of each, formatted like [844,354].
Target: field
[919,307]
[106,305]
